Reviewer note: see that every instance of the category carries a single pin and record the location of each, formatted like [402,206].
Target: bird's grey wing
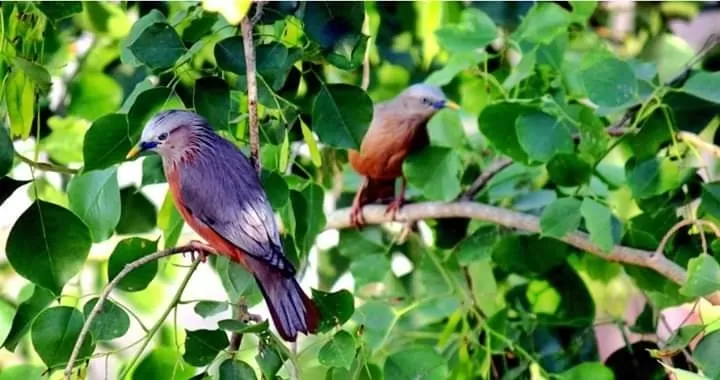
[225,195]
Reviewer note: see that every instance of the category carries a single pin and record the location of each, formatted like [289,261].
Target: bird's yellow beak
[133,152]
[452,105]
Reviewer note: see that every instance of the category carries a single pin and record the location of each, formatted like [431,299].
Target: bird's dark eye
[163,136]
[426,101]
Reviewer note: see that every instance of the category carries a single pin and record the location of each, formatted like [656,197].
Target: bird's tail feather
[291,309]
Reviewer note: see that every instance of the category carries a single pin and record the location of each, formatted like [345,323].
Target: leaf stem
[106,293]
[46,166]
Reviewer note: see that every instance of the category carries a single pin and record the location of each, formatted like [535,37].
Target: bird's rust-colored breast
[208,234]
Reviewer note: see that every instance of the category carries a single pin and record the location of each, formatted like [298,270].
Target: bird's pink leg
[201,249]
[398,202]
[356,217]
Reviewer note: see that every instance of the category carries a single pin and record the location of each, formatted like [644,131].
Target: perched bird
[398,128]
[217,191]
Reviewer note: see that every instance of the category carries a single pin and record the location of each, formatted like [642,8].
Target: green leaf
[328,22]
[112,321]
[704,85]
[436,171]
[38,74]
[610,82]
[335,308]
[338,351]
[478,246]
[588,371]
[48,245]
[529,254]
[682,337]
[370,268]
[703,276]
[276,188]
[107,142]
[598,221]
[95,197]
[445,129]
[170,221]
[653,176]
[94,94]
[26,313]
[158,46]
[202,346]
[22,371]
[309,204]
[377,318]
[348,52]
[209,308]
[236,280]
[271,59]
[7,314]
[7,153]
[54,333]
[567,169]
[418,363]
[235,370]
[494,121]
[309,139]
[710,199]
[341,115]
[137,214]
[20,103]
[126,56]
[107,19]
[152,171]
[59,10]
[561,217]
[269,360]
[543,23]
[705,354]
[65,143]
[8,187]
[457,63]
[542,136]
[241,327]
[127,251]
[212,100]
[162,363]
[582,10]
[475,31]
[147,105]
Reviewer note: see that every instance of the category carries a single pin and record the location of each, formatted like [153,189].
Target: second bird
[398,128]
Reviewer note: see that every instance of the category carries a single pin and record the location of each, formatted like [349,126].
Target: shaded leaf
[212,100]
[209,308]
[38,74]
[341,115]
[704,85]
[94,94]
[152,171]
[477,246]
[494,121]
[126,55]
[241,327]
[8,187]
[158,46]
[137,214]
[435,170]
[475,31]
[703,276]
[106,142]
[588,371]
[542,136]
[543,23]
[26,313]
[127,251]
[610,82]
[705,354]
[339,351]
[7,153]
[48,245]
[236,280]
[235,370]
[54,333]
[598,221]
[415,364]
[561,217]
[568,170]
[269,360]
[202,346]
[335,308]
[95,197]
[59,10]
[162,363]
[112,321]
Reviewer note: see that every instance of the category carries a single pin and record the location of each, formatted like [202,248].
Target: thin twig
[375,214]
[484,177]
[46,166]
[246,26]
[365,83]
[666,238]
[243,315]
[106,292]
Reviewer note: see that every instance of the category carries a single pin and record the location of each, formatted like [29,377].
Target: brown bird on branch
[398,128]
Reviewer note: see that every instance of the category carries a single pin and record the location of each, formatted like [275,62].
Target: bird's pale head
[424,99]
[169,133]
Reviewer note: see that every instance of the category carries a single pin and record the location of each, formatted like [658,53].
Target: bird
[398,128]
[218,193]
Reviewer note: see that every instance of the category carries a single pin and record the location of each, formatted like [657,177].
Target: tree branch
[106,292]
[495,167]
[46,166]
[375,214]
[246,26]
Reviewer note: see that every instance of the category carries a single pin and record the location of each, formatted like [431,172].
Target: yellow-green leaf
[284,153]
[312,144]
[20,99]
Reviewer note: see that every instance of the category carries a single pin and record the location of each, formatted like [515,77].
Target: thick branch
[246,26]
[375,214]
[106,292]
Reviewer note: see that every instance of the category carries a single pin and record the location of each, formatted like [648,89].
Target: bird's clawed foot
[356,217]
[202,250]
[394,207]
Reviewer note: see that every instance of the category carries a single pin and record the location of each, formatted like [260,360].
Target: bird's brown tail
[291,309]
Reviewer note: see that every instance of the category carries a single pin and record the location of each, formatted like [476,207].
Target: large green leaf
[705,354]
[212,100]
[610,82]
[158,46]
[235,370]
[54,333]
[436,171]
[599,222]
[137,213]
[704,85]
[126,55]
[147,105]
[341,115]
[112,321]
[328,23]
[543,23]
[127,251]
[494,122]
[7,314]
[561,217]
[38,74]
[568,170]
[475,31]
[22,371]
[107,142]
[59,10]
[542,135]
[95,197]
[308,203]
[163,363]
[416,363]
[236,280]
[335,308]
[339,351]
[27,311]
[20,103]
[48,245]
[93,95]
[65,143]
[202,346]
[703,276]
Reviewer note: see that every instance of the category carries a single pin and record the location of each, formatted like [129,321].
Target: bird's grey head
[425,99]
[168,132]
